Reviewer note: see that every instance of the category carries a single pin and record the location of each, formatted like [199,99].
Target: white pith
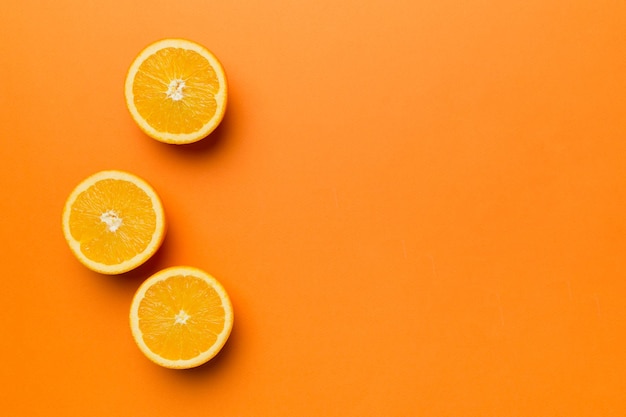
[181,317]
[175,89]
[112,220]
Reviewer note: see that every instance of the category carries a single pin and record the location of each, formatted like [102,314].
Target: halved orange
[176,91]
[113,222]
[181,317]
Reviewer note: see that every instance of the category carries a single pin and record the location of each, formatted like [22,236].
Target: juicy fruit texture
[113,221]
[176,91]
[181,317]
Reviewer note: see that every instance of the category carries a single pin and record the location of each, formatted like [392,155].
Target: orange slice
[176,91]
[181,317]
[113,222]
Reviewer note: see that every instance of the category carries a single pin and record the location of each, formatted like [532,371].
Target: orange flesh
[127,202]
[163,71]
[180,317]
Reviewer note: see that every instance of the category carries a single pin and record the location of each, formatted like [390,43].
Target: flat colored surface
[417,207]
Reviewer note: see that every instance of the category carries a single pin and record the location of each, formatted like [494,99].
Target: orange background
[417,207]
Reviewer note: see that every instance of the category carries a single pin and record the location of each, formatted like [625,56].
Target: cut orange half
[181,317]
[113,222]
[176,91]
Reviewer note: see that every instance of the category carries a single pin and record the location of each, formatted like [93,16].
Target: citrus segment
[113,222]
[176,91]
[181,317]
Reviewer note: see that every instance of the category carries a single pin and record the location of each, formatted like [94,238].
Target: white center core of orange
[181,317]
[112,220]
[175,89]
